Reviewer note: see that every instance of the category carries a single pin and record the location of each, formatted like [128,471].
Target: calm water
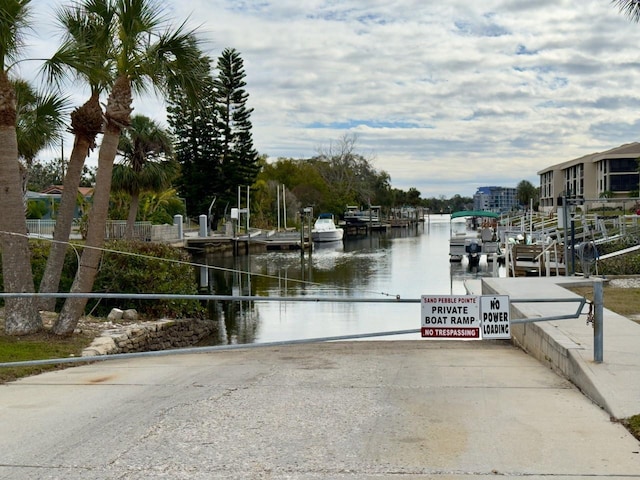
[404,262]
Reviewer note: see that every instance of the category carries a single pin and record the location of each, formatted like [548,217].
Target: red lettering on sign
[450,332]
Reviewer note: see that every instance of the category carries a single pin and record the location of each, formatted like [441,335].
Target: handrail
[597,313]
[552,244]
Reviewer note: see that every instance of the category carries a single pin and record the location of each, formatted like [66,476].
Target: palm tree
[142,54]
[147,166]
[21,314]
[85,46]
[39,122]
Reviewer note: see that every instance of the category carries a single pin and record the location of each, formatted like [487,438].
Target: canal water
[404,263]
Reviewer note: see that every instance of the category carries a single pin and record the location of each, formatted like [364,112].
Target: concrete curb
[566,346]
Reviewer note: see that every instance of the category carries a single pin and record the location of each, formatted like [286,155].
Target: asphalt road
[353,410]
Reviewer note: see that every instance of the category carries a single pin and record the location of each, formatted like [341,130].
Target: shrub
[130,267]
[142,267]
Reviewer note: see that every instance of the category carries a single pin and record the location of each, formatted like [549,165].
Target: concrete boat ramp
[403,409]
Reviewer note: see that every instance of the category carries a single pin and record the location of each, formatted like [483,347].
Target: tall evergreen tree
[240,164]
[215,144]
[196,147]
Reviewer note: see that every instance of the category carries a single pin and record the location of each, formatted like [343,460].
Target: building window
[623,165]
[623,183]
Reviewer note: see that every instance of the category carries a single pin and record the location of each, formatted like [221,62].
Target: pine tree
[240,165]
[214,143]
[196,149]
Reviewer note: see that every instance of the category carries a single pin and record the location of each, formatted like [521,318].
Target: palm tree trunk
[21,314]
[64,221]
[133,213]
[117,114]
[83,283]
[86,124]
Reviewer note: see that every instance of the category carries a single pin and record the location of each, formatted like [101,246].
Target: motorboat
[473,233]
[325,229]
[355,216]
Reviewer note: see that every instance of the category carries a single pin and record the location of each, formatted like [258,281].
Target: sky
[445,97]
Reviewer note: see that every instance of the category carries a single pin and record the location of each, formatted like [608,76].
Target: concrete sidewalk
[567,346]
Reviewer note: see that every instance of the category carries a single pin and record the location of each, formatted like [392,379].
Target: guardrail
[113,228]
[595,314]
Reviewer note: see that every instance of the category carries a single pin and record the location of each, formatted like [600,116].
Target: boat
[325,229]
[473,233]
[355,216]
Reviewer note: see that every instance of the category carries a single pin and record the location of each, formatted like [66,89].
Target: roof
[58,189]
[628,150]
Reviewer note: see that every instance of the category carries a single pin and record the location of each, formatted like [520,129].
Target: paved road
[353,410]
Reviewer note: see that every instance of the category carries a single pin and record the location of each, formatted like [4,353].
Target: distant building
[612,173]
[86,192]
[495,199]
[50,198]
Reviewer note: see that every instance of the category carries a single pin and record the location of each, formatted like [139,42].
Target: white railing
[41,228]
[115,229]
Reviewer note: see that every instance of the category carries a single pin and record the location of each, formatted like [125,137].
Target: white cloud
[444,96]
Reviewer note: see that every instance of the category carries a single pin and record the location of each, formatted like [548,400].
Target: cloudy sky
[444,96]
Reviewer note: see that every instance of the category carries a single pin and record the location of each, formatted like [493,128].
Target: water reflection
[403,262]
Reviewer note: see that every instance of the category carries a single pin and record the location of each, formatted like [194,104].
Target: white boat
[472,240]
[325,229]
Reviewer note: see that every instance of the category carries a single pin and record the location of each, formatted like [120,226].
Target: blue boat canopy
[474,213]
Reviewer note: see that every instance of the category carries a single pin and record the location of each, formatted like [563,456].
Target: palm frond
[14,23]
[85,52]
[176,60]
[630,8]
[40,119]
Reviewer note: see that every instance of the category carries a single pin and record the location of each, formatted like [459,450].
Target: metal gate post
[598,318]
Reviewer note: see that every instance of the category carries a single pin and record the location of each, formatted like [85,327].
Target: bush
[130,267]
[142,267]
[627,264]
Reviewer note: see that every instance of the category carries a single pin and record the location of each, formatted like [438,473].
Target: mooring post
[598,324]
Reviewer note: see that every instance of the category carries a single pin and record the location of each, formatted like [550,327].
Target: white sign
[465,317]
[453,317]
[495,316]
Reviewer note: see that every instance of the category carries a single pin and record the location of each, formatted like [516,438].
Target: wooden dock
[531,260]
[245,245]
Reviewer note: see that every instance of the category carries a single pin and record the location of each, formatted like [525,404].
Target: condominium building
[495,199]
[613,173]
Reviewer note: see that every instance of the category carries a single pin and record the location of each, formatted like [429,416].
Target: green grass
[623,301]
[633,425]
[39,346]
